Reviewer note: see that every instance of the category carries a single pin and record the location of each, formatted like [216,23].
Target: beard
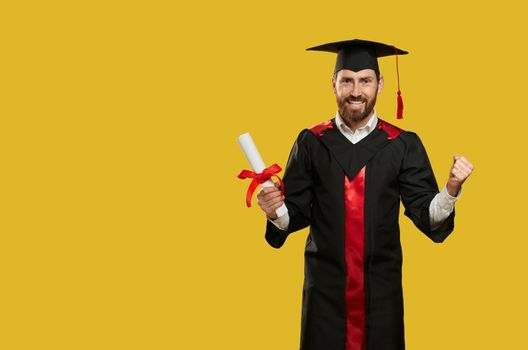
[352,117]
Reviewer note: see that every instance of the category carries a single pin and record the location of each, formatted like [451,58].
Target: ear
[334,83]
[381,84]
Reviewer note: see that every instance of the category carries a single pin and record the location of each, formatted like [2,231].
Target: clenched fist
[460,171]
[270,199]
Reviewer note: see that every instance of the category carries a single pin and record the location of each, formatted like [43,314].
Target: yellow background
[123,225]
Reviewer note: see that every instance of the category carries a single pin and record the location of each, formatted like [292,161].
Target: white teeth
[356,102]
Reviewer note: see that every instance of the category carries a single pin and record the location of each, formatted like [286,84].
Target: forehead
[365,73]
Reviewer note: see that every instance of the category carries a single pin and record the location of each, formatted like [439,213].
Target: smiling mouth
[355,102]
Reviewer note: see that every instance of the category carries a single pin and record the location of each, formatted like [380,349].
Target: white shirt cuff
[282,221]
[447,201]
[441,207]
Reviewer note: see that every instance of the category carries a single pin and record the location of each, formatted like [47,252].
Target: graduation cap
[357,55]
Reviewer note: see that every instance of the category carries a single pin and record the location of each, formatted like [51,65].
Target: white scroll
[257,164]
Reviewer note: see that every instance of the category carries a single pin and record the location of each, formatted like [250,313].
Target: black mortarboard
[357,55]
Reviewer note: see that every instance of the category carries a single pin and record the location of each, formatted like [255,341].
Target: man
[344,179]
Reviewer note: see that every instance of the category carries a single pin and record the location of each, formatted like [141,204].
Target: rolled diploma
[256,162]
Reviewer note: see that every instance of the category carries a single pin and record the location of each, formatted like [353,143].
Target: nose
[355,92]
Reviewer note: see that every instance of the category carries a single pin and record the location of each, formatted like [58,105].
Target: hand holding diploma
[261,175]
[270,199]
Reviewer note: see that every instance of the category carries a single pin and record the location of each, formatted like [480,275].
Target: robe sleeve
[418,187]
[297,191]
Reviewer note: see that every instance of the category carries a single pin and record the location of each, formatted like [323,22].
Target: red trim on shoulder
[391,130]
[318,129]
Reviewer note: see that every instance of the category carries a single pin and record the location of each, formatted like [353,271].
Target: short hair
[378,75]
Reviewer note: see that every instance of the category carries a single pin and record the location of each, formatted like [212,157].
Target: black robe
[349,195]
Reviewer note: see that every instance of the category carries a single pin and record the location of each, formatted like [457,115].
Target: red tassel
[399,114]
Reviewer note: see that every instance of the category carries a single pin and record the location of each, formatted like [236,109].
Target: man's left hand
[460,171]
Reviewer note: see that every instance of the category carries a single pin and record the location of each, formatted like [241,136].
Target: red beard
[354,116]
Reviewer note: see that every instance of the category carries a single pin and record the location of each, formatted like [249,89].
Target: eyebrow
[360,79]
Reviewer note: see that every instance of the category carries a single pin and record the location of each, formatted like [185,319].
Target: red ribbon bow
[260,178]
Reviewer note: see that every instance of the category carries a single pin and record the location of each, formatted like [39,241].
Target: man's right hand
[270,199]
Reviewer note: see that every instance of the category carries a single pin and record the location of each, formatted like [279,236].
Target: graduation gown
[349,195]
